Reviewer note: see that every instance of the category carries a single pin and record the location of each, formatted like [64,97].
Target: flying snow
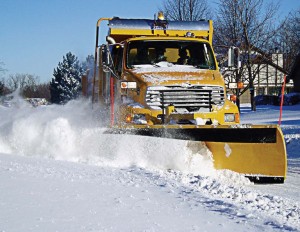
[73,132]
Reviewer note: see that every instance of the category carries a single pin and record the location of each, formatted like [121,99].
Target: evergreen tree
[66,83]
[88,63]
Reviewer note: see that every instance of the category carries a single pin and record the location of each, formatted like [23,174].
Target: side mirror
[234,57]
[105,55]
[104,58]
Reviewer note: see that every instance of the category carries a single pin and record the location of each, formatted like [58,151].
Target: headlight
[229,118]
[128,85]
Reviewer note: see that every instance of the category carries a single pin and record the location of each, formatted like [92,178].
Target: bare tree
[43,91]
[288,39]
[29,86]
[37,91]
[249,26]
[186,10]
[27,83]
[2,86]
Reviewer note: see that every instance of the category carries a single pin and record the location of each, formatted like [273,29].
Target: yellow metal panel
[122,29]
[142,32]
[265,159]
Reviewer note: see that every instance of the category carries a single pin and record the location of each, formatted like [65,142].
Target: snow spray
[73,132]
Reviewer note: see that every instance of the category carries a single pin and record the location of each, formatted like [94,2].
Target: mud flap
[258,152]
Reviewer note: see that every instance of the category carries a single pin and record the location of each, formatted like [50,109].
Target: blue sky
[36,34]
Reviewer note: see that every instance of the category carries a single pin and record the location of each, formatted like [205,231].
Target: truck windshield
[152,52]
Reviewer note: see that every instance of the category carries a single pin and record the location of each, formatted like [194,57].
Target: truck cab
[158,72]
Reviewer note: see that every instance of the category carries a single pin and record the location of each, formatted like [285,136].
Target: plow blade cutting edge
[256,151]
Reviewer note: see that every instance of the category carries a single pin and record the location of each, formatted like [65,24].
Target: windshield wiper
[203,66]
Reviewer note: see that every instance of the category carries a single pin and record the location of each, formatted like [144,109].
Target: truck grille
[194,98]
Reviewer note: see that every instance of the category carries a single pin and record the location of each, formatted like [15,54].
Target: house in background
[269,75]
[295,74]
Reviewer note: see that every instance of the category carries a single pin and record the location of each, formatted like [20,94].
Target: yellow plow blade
[260,162]
[256,151]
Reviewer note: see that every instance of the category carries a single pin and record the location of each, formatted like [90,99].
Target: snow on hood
[164,71]
[157,78]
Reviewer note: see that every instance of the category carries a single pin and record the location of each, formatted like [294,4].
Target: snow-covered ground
[59,172]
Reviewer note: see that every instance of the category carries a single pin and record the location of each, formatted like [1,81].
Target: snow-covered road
[58,172]
[41,195]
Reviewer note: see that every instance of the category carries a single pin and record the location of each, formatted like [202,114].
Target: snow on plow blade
[256,151]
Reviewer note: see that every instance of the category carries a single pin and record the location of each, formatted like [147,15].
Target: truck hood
[176,74]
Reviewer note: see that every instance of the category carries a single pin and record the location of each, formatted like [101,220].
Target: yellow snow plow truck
[161,78]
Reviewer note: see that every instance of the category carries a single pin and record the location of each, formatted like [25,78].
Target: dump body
[158,78]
